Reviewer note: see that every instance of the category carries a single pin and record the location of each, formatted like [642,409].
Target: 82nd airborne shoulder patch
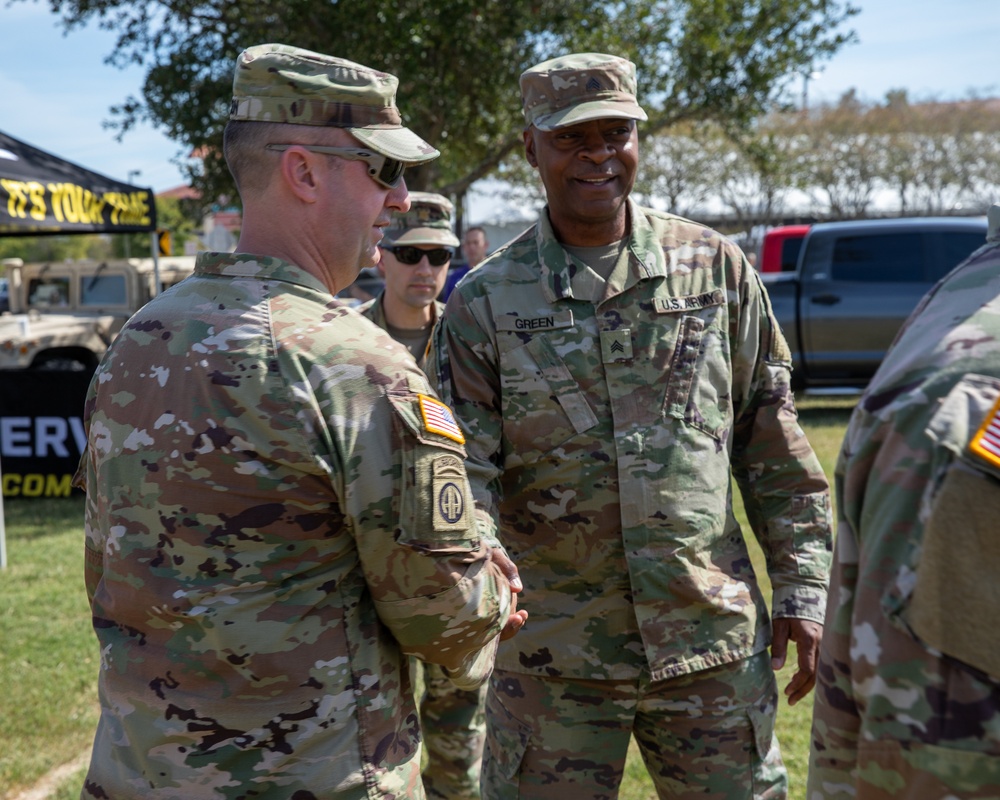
[451,495]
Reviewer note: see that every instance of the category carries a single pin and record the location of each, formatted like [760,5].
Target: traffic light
[163,242]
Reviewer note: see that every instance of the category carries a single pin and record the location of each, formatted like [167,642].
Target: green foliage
[172,214]
[459,61]
[54,248]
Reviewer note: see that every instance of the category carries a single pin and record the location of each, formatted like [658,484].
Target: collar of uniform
[248,265]
[374,309]
[557,267]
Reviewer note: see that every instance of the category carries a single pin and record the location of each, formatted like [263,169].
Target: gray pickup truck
[854,286]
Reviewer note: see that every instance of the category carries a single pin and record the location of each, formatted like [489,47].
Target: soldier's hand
[806,634]
[517,618]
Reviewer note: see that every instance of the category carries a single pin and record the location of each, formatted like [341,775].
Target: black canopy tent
[41,193]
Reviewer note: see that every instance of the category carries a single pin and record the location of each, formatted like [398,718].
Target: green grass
[48,657]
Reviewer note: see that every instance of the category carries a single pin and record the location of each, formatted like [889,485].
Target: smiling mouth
[597,181]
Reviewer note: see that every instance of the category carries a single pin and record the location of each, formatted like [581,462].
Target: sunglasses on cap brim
[385,171]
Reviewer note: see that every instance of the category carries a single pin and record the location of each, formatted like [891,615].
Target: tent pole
[3,529]
[154,246]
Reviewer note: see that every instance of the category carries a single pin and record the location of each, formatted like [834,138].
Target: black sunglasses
[408,254]
[383,170]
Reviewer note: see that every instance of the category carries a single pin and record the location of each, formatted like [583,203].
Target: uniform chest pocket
[543,405]
[699,377]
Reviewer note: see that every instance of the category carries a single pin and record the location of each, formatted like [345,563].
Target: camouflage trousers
[453,724]
[708,735]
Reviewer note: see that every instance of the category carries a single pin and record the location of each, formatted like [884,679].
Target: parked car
[779,252]
[855,284]
[65,314]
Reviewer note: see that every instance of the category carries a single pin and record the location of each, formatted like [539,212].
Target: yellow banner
[69,204]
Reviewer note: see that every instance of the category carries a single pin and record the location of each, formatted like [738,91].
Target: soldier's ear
[529,146]
[300,170]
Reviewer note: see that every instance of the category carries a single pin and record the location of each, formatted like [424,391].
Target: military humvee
[63,315]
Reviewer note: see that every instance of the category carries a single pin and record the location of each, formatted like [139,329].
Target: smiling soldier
[613,368]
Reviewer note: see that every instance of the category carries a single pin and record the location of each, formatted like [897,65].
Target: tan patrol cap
[427,222]
[281,83]
[577,88]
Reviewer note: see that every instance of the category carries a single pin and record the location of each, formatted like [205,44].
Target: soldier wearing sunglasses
[278,515]
[416,254]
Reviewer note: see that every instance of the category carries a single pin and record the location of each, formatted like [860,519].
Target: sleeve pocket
[435,506]
[956,597]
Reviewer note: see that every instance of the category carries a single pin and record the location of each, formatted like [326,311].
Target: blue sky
[56,90]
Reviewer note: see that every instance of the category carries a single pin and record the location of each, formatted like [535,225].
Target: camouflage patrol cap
[427,222]
[579,87]
[280,83]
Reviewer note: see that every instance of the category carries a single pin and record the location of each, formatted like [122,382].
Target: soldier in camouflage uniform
[277,511]
[612,368]
[451,718]
[908,694]
[416,254]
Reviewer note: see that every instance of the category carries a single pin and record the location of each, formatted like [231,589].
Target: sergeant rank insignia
[439,419]
[986,442]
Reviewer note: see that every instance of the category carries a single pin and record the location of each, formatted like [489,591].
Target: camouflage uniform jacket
[374,310]
[908,689]
[271,519]
[602,437]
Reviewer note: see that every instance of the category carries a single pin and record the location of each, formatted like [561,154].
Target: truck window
[887,257]
[790,253]
[45,293]
[103,290]
[955,248]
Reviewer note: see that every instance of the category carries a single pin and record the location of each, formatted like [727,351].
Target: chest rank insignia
[449,496]
[616,345]
[439,419]
[986,442]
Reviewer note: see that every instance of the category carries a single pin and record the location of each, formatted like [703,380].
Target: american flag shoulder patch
[986,442]
[439,419]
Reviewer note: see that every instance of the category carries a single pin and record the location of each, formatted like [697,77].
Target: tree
[459,61]
[757,174]
[681,167]
[846,157]
[55,248]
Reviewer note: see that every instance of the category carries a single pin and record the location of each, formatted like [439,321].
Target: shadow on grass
[826,411]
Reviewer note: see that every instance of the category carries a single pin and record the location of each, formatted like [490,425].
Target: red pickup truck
[779,251]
